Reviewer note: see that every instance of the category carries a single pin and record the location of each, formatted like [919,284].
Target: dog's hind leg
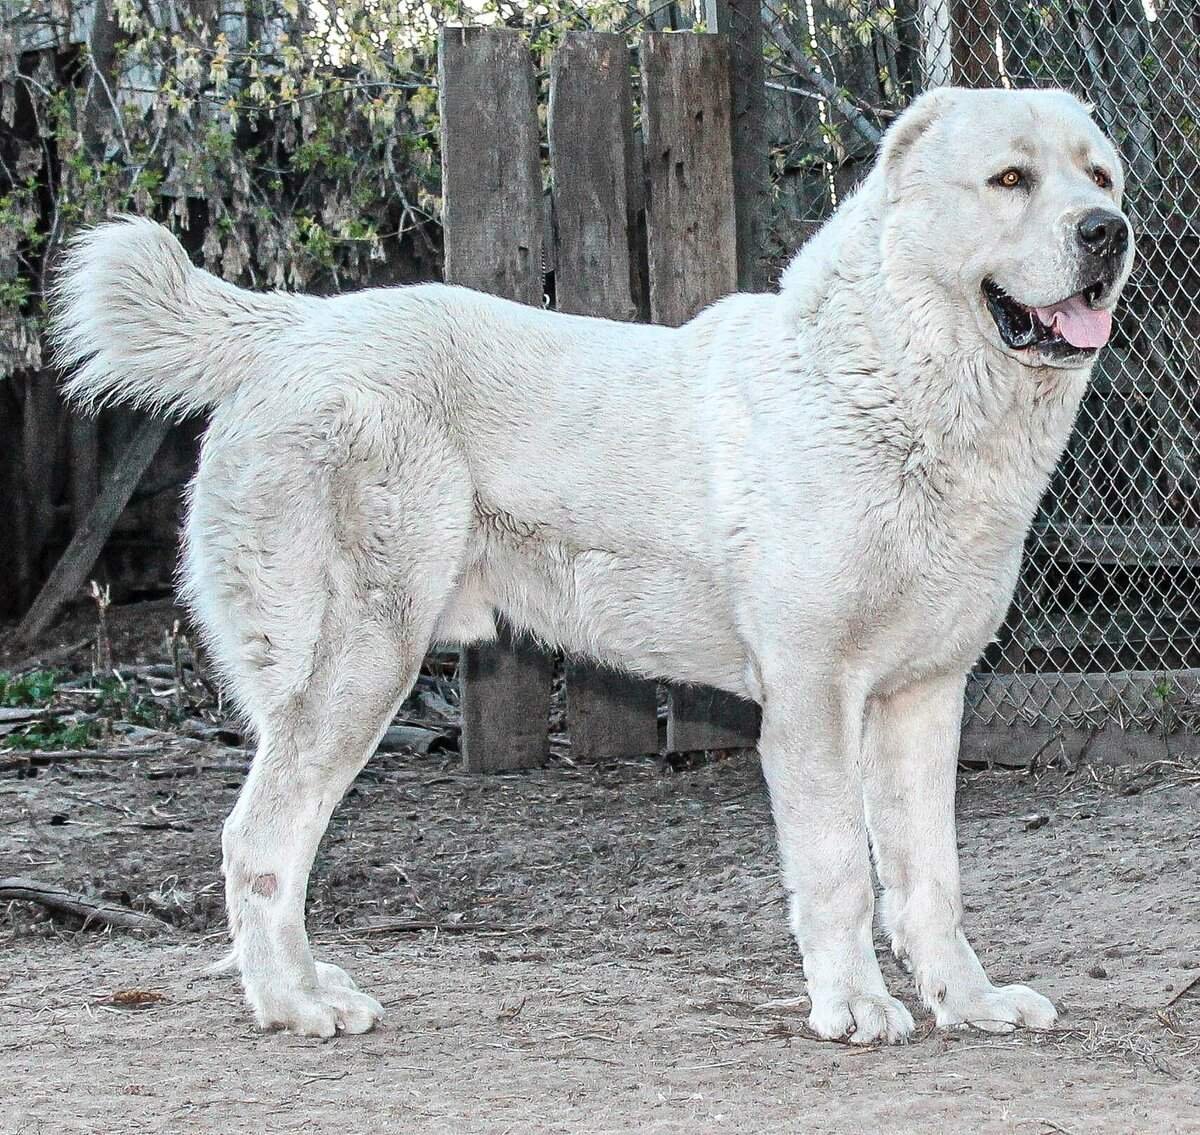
[309,752]
[319,589]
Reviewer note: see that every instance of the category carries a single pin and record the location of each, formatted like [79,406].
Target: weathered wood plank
[1141,696]
[1167,545]
[703,718]
[41,425]
[493,241]
[690,226]
[12,496]
[86,545]
[740,21]
[591,118]
[1017,746]
[609,714]
[491,172]
[692,256]
[505,704]
[84,452]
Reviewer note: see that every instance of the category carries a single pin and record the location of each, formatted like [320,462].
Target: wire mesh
[1105,623]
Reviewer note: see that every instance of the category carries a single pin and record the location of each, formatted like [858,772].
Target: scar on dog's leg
[809,748]
[310,750]
[910,756]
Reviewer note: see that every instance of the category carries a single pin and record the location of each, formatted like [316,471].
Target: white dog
[815,499]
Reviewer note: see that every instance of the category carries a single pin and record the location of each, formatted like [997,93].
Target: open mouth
[1073,326]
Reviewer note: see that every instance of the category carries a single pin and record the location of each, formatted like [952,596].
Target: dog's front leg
[910,758]
[810,744]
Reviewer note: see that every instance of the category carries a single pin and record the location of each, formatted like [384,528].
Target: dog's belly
[653,612]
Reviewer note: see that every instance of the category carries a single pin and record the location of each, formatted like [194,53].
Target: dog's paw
[335,1006]
[861,1018]
[994,1008]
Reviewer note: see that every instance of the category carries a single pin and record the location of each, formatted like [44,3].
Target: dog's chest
[938,579]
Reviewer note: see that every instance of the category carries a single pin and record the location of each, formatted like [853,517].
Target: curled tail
[133,320]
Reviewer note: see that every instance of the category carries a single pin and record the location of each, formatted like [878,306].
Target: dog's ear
[904,134]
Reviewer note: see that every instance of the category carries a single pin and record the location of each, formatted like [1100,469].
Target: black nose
[1104,233]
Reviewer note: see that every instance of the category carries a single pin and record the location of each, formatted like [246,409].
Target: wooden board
[590,124]
[1131,693]
[692,257]
[740,22]
[690,227]
[1018,746]
[491,171]
[505,690]
[703,718]
[609,714]
[83,450]
[12,494]
[40,453]
[493,241]
[1152,546]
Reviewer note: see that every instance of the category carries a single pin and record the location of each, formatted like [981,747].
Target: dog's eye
[1009,179]
[1102,177]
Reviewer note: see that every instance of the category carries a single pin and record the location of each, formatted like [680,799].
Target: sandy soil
[577,949]
[608,941]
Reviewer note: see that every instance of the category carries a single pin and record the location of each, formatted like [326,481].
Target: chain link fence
[1105,624]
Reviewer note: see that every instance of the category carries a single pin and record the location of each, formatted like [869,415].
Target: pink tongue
[1079,324]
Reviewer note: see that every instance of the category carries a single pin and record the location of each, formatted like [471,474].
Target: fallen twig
[172,772]
[91,910]
[40,758]
[416,926]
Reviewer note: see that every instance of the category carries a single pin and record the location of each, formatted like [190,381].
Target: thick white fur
[815,499]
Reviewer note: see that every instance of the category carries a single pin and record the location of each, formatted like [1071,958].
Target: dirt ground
[585,949]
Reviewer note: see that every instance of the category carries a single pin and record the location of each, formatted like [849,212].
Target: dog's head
[1009,203]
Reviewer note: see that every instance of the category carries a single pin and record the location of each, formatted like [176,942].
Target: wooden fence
[655,221]
[652,224]
[637,227]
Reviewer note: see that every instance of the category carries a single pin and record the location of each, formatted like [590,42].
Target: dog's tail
[133,320]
